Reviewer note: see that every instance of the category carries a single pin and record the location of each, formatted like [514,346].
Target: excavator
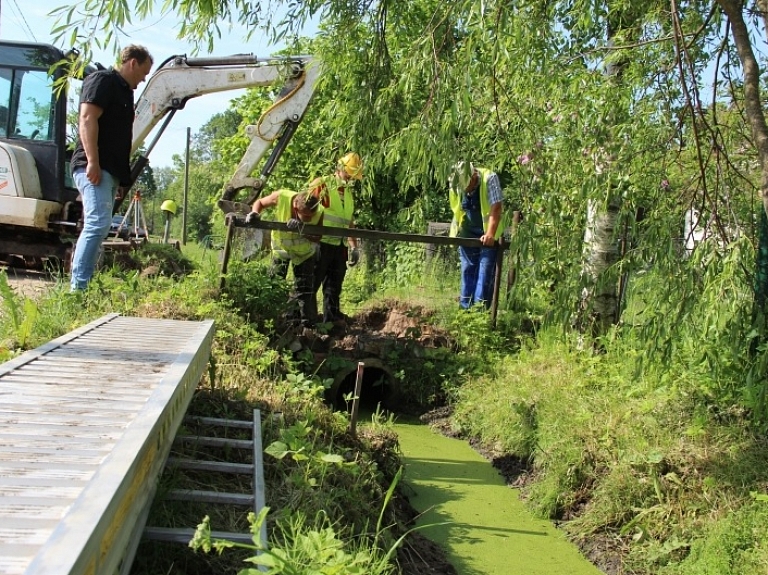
[40,208]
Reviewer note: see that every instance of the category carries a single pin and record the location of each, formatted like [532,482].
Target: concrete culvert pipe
[379,386]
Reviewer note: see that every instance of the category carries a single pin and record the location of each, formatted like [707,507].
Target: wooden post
[497,280]
[512,267]
[310,230]
[186,193]
[356,399]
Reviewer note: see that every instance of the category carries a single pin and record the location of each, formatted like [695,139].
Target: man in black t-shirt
[101,160]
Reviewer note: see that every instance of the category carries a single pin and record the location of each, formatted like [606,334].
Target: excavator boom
[180,78]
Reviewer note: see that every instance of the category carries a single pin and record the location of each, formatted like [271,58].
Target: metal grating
[86,423]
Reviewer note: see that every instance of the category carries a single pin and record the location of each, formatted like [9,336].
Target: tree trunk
[752,104]
[599,297]
[756,118]
[599,304]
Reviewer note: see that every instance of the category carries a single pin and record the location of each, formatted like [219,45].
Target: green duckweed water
[489,532]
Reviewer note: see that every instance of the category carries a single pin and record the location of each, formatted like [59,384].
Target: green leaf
[331,458]
[277,449]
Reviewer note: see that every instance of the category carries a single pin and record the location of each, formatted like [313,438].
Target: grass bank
[641,476]
[647,459]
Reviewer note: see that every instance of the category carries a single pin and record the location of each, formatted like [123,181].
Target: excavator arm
[180,78]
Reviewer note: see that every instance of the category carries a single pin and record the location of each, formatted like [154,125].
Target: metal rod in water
[356,399]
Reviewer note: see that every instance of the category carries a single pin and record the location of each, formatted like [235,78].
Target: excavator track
[35,249]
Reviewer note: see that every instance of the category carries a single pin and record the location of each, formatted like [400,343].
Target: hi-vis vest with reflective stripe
[338,212]
[289,245]
[485,208]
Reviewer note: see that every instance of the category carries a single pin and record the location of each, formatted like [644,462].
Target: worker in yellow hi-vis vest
[294,248]
[476,200]
[333,257]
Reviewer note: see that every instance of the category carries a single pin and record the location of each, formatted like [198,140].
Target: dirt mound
[151,259]
[374,331]
[398,321]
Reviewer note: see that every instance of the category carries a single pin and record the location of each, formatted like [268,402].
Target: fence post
[227,251]
[512,270]
[497,280]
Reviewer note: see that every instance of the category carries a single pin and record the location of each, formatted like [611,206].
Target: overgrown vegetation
[650,453]
[317,474]
[629,363]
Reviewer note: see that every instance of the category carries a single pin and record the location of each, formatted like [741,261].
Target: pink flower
[523,159]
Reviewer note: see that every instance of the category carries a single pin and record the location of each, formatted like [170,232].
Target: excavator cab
[39,208]
[34,171]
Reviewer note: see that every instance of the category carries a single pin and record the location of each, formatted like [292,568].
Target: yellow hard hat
[168,206]
[352,165]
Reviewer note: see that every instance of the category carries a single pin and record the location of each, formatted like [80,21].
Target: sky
[28,21]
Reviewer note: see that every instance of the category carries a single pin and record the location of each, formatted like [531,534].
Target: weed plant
[20,314]
[299,548]
[255,292]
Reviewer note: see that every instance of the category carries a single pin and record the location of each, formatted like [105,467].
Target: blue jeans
[477,270]
[98,201]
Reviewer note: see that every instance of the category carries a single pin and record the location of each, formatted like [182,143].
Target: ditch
[467,508]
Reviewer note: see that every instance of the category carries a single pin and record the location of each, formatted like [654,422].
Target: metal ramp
[86,424]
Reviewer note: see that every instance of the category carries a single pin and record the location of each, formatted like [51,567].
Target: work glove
[354,257]
[293,224]
[252,217]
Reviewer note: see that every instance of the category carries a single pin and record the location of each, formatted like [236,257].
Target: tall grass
[653,442]
[656,445]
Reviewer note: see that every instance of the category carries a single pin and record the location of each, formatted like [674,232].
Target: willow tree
[528,88]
